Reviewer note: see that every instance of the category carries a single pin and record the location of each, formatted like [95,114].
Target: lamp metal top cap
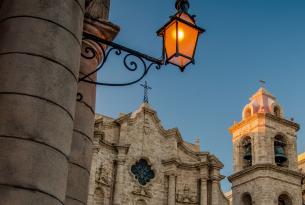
[182,5]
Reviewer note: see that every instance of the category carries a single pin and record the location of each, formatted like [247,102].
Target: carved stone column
[94,167]
[171,189]
[82,141]
[215,191]
[203,191]
[119,179]
[40,43]
[216,178]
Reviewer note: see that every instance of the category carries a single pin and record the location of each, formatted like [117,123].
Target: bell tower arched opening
[284,199]
[246,151]
[246,199]
[280,150]
[277,111]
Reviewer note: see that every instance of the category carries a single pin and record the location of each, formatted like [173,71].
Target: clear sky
[246,41]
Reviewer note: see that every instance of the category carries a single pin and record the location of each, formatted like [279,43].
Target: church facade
[138,162]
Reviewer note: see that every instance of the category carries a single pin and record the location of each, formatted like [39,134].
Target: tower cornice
[267,116]
[257,167]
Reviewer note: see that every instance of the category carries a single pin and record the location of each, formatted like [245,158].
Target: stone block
[84,120]
[88,92]
[73,202]
[19,196]
[68,14]
[47,40]
[33,166]
[38,77]
[81,150]
[78,182]
[35,119]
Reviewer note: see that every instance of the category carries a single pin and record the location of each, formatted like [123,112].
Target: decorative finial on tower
[263,83]
[197,141]
[146,88]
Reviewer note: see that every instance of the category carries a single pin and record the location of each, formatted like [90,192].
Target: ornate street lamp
[180,36]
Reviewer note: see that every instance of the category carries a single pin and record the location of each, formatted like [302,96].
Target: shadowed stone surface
[39,54]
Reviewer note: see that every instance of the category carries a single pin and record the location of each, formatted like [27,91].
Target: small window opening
[247,199]
[247,152]
[280,151]
[277,111]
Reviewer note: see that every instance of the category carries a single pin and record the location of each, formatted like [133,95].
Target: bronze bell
[280,155]
[248,153]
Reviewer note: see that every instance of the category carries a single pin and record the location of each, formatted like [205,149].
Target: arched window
[277,111]
[246,199]
[141,202]
[284,199]
[280,155]
[99,197]
[247,152]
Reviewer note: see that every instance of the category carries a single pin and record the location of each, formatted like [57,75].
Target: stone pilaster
[80,156]
[171,189]
[216,178]
[215,191]
[119,178]
[204,175]
[40,42]
[93,173]
[203,191]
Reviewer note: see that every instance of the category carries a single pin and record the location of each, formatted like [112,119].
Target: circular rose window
[142,172]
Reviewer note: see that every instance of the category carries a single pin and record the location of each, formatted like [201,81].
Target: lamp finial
[182,5]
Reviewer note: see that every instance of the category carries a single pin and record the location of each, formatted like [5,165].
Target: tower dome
[263,102]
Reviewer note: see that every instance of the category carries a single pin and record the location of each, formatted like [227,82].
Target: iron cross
[263,83]
[146,88]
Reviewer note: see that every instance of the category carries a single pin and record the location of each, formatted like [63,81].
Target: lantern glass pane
[170,40]
[180,61]
[188,39]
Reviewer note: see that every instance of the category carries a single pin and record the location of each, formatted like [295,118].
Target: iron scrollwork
[132,60]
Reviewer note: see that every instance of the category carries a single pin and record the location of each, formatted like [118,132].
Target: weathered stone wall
[265,184]
[177,166]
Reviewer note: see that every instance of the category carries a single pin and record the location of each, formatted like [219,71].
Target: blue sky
[246,41]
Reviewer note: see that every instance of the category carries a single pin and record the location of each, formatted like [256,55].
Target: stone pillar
[171,189]
[203,191]
[119,186]
[215,192]
[40,43]
[92,183]
[204,175]
[119,178]
[82,141]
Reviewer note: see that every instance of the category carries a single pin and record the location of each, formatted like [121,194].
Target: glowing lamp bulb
[180,35]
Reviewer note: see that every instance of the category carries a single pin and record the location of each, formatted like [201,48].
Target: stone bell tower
[264,155]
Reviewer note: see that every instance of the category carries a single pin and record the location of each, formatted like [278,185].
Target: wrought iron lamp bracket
[132,59]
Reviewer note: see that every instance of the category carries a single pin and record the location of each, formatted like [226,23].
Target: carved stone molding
[185,196]
[102,177]
[142,191]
